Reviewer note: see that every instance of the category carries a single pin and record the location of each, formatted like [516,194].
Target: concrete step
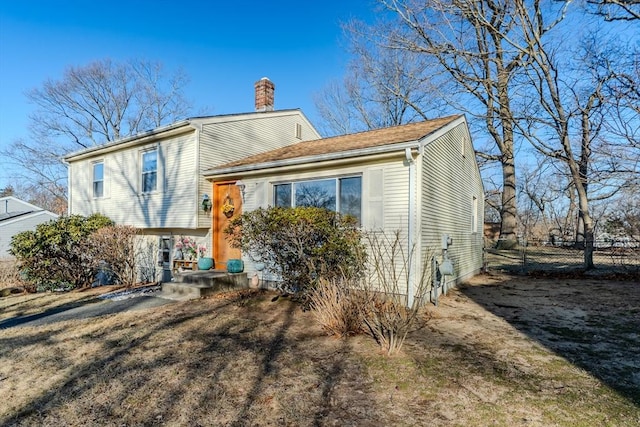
[196,284]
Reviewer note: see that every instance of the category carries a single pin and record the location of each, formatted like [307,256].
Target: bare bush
[9,273]
[379,304]
[337,306]
[390,314]
[115,248]
[147,260]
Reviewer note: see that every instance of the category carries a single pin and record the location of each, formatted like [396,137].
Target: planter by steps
[205,263]
[235,266]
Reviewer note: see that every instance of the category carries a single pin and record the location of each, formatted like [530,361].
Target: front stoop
[196,284]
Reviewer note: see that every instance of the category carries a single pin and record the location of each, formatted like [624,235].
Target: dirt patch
[501,350]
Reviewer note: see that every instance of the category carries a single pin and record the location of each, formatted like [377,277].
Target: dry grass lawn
[503,351]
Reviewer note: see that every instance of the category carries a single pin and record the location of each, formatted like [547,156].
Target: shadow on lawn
[594,324]
[237,361]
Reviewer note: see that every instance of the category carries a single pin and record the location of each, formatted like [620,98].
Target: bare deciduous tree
[481,46]
[105,101]
[91,105]
[616,10]
[569,124]
[383,87]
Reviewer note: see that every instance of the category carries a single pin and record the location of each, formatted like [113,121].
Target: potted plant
[187,246]
[204,262]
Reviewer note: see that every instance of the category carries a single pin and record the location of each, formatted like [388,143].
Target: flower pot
[235,266]
[205,263]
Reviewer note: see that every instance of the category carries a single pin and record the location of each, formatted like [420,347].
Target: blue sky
[224,47]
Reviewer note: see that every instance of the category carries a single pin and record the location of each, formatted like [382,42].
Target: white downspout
[411,286]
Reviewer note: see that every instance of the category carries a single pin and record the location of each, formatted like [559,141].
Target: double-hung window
[149,171]
[343,194]
[98,179]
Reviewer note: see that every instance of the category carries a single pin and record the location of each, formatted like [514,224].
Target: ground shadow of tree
[147,375]
[593,324]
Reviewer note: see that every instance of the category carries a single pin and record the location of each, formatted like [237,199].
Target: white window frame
[143,172]
[94,181]
[337,181]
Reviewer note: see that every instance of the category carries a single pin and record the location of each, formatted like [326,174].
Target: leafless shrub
[9,273]
[389,313]
[379,303]
[338,306]
[115,246]
[147,260]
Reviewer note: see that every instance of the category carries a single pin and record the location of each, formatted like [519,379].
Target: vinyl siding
[227,141]
[392,194]
[449,181]
[173,203]
[182,159]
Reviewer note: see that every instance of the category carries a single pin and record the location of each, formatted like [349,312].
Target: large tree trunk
[508,236]
[585,222]
[588,228]
[509,213]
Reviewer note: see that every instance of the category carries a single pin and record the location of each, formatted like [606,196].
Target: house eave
[27,215]
[174,129]
[330,159]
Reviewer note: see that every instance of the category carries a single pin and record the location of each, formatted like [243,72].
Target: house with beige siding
[154,181]
[17,216]
[419,179]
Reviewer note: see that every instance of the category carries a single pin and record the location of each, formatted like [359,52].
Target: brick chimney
[264,94]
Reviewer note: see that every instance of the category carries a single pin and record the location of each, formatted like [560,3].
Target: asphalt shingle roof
[355,141]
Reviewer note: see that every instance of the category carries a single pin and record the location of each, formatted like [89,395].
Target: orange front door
[224,194]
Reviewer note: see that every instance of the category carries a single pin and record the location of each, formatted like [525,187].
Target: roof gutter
[303,162]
